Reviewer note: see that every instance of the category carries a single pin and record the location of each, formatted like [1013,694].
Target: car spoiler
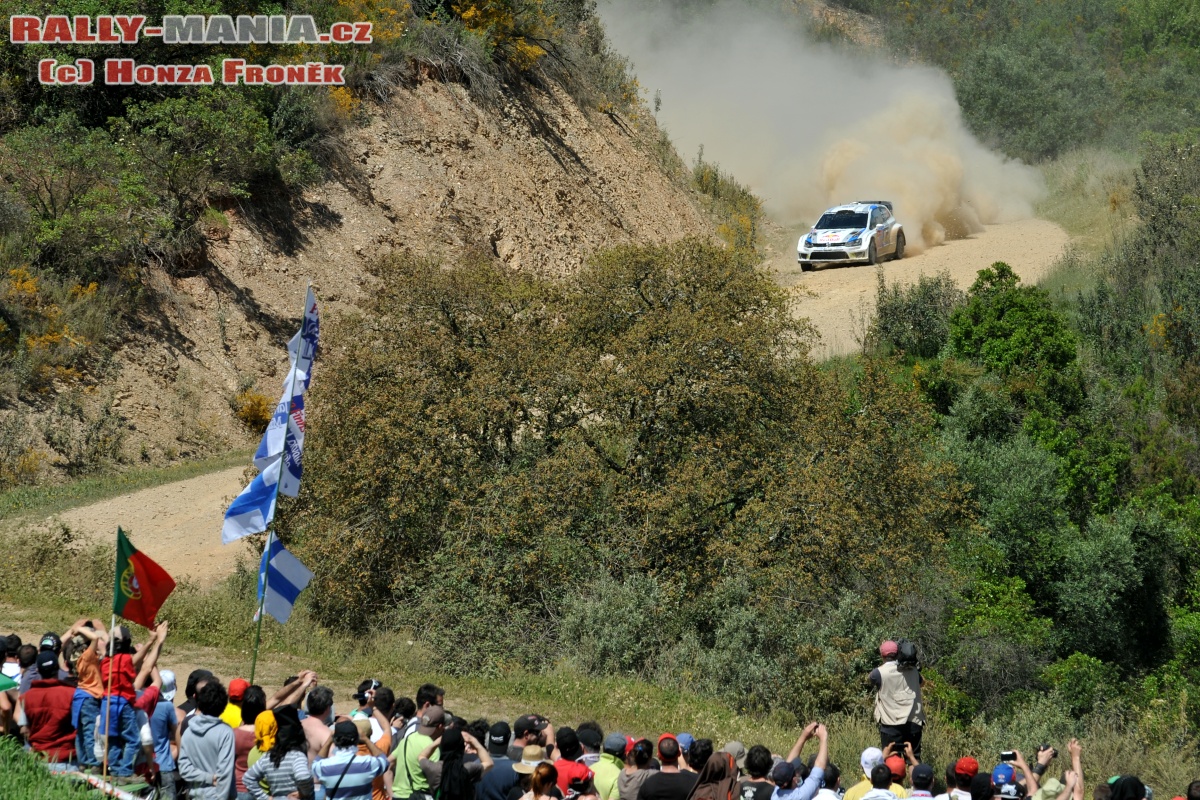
[887,203]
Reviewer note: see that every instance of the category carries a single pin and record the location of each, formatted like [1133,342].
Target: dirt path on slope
[177,524]
[845,295]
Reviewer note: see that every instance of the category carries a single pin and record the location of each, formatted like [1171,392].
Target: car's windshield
[842,219]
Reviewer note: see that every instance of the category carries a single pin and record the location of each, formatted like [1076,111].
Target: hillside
[536,183]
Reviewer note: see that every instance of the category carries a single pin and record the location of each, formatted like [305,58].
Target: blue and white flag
[283,441]
[283,576]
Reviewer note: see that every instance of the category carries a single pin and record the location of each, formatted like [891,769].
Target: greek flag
[284,578]
[278,457]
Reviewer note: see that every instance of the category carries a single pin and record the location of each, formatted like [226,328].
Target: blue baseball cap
[1004,773]
[686,740]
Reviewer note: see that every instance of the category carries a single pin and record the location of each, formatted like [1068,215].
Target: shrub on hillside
[914,319]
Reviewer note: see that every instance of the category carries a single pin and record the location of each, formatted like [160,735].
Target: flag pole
[266,568]
[106,706]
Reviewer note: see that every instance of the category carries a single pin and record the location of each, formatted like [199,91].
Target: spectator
[899,710]
[591,737]
[686,741]
[831,784]
[206,747]
[757,785]
[118,713]
[27,661]
[1193,790]
[717,779]
[232,715]
[898,767]
[607,770]
[922,781]
[670,782]
[405,710]
[531,729]
[700,753]
[981,787]
[532,757]
[163,726]
[344,774]
[787,788]
[12,667]
[567,765]
[48,711]
[428,695]
[738,751]
[89,690]
[881,783]
[254,702]
[951,783]
[965,770]
[284,768]
[319,719]
[637,769]
[196,679]
[451,778]
[542,782]
[408,777]
[501,778]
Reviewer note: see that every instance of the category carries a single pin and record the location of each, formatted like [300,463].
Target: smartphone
[1008,755]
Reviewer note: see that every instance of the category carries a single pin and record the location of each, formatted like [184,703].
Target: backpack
[906,654]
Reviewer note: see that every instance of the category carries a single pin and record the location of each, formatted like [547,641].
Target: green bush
[23,776]
[914,319]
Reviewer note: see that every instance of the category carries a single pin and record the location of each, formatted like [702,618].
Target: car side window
[874,221]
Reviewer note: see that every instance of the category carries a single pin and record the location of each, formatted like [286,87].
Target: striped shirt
[293,768]
[354,771]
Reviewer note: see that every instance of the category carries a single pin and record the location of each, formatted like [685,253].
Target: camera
[1045,747]
[1008,755]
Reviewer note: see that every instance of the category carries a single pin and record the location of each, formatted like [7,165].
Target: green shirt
[408,756]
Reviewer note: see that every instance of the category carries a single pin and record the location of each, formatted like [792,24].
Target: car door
[885,231]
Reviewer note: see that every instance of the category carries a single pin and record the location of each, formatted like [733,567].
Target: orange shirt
[88,669]
[384,744]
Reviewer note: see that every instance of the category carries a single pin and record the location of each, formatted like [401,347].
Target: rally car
[861,232]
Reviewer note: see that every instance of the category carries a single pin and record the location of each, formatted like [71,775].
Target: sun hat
[531,756]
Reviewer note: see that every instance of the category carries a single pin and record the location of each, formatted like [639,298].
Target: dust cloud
[808,125]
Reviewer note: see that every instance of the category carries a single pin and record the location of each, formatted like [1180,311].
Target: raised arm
[1076,751]
[805,735]
[145,659]
[485,758]
[294,692]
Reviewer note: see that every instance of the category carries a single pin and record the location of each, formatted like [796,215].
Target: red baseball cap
[889,648]
[237,688]
[967,766]
[896,765]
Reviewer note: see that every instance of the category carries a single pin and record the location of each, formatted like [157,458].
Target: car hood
[832,236]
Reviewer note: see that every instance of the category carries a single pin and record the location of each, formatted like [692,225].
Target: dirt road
[178,525]
[845,296]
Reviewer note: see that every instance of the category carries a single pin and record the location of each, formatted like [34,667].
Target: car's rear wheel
[900,246]
[872,256]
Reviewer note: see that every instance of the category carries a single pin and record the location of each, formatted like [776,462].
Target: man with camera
[899,711]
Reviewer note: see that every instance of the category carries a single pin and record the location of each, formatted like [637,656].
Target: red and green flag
[141,585]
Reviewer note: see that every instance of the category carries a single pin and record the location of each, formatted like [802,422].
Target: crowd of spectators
[93,701]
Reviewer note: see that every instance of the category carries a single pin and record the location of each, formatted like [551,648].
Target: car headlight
[808,240]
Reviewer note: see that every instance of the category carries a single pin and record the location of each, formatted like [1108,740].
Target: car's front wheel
[872,256]
[900,246]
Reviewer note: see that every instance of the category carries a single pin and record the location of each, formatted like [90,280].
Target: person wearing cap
[686,740]
[531,729]
[638,756]
[899,709]
[163,724]
[409,779]
[120,672]
[232,715]
[567,765]
[48,711]
[922,781]
[591,738]
[607,770]
[341,770]
[787,788]
[965,770]
[757,785]
[498,781]
[738,751]
[670,782]
[873,757]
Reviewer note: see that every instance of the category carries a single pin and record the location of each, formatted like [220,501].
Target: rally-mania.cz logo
[196,29]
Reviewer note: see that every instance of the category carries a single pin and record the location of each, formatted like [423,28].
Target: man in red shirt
[48,711]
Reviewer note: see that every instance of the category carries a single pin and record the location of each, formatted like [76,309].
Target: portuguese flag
[141,586]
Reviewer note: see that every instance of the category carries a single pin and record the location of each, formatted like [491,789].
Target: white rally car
[861,232]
